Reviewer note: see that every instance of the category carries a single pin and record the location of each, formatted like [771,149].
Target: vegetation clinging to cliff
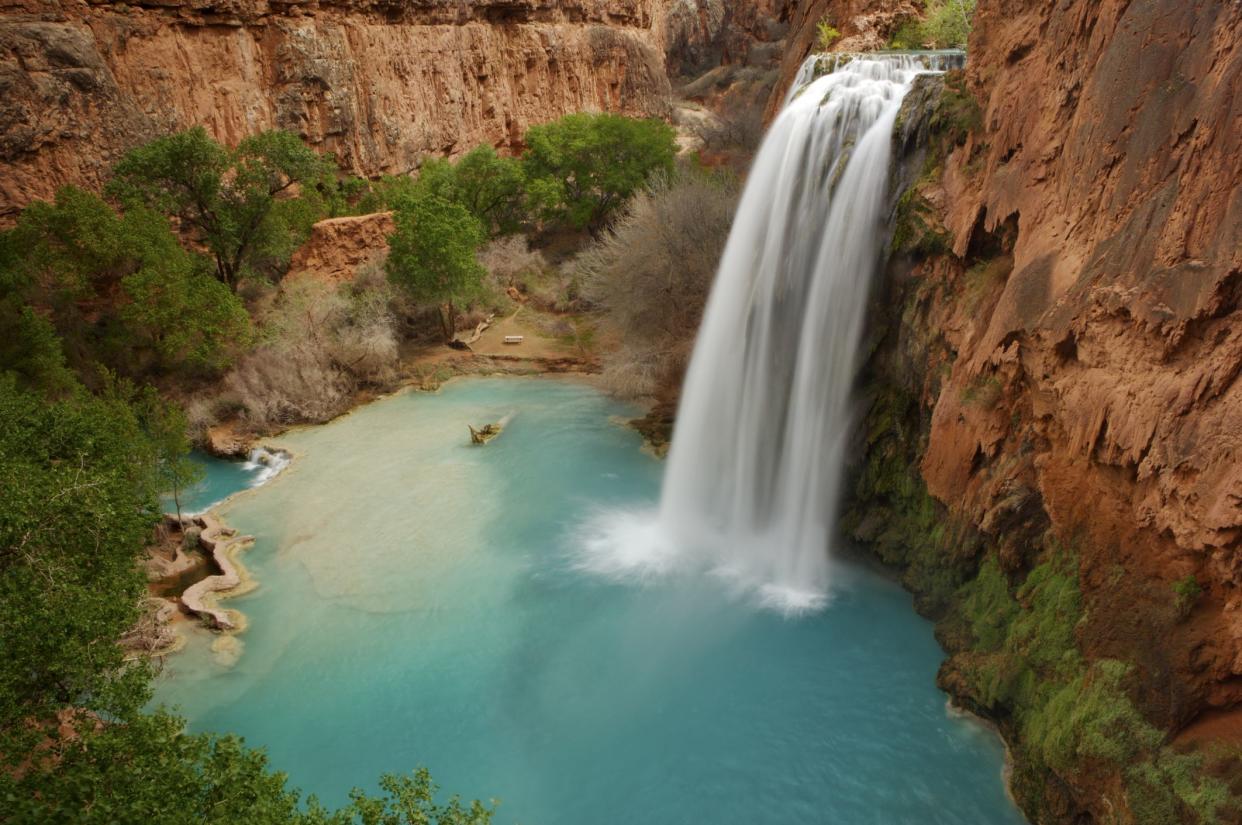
[945,24]
[228,196]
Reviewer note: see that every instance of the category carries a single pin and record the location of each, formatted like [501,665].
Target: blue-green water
[221,479]
[419,606]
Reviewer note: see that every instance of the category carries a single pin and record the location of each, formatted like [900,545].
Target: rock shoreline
[221,543]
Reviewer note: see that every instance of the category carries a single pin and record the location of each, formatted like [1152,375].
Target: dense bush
[118,289]
[945,25]
[651,272]
[583,167]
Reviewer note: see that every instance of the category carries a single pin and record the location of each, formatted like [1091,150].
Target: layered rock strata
[380,83]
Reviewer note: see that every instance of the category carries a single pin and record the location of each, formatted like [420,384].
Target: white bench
[514,339]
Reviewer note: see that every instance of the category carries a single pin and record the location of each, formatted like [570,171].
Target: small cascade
[265,464]
[760,442]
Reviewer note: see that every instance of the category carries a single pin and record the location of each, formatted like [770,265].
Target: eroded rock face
[704,34]
[1111,145]
[378,82]
[865,25]
[1072,335]
[338,248]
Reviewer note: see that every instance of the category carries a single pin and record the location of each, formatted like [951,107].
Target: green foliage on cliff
[826,34]
[239,201]
[945,24]
[1025,663]
[120,290]
[1186,593]
[583,167]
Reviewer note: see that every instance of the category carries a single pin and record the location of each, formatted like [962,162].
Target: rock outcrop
[380,83]
[338,248]
[1061,362]
[703,34]
[218,541]
[1110,150]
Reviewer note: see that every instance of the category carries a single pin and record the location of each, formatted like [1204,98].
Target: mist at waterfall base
[759,448]
[419,604]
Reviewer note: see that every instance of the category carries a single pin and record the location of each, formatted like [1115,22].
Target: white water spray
[757,455]
[265,464]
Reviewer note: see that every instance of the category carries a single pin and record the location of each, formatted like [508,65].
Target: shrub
[652,272]
[737,126]
[320,346]
[583,167]
[945,25]
[1186,593]
[826,34]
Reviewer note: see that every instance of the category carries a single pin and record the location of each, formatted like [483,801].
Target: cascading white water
[265,464]
[758,450]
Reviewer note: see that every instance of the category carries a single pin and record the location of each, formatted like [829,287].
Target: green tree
[165,425]
[78,502]
[580,168]
[235,200]
[120,290]
[492,188]
[432,254]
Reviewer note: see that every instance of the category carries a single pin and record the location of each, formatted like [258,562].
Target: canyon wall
[1110,150]
[703,34]
[378,82]
[1056,365]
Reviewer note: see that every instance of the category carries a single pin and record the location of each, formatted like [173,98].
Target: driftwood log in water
[484,434]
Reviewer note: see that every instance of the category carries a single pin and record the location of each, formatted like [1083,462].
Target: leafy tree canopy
[79,499]
[579,169]
[230,198]
[432,253]
[119,289]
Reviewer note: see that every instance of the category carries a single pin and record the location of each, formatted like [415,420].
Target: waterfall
[755,468]
[756,463]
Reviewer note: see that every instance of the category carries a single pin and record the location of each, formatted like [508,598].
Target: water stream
[767,406]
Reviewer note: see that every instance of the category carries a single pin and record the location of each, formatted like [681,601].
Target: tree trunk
[448,321]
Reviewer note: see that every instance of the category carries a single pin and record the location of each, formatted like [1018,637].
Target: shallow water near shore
[419,605]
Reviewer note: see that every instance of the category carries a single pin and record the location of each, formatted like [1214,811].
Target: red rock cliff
[378,82]
[1111,144]
[1075,346]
